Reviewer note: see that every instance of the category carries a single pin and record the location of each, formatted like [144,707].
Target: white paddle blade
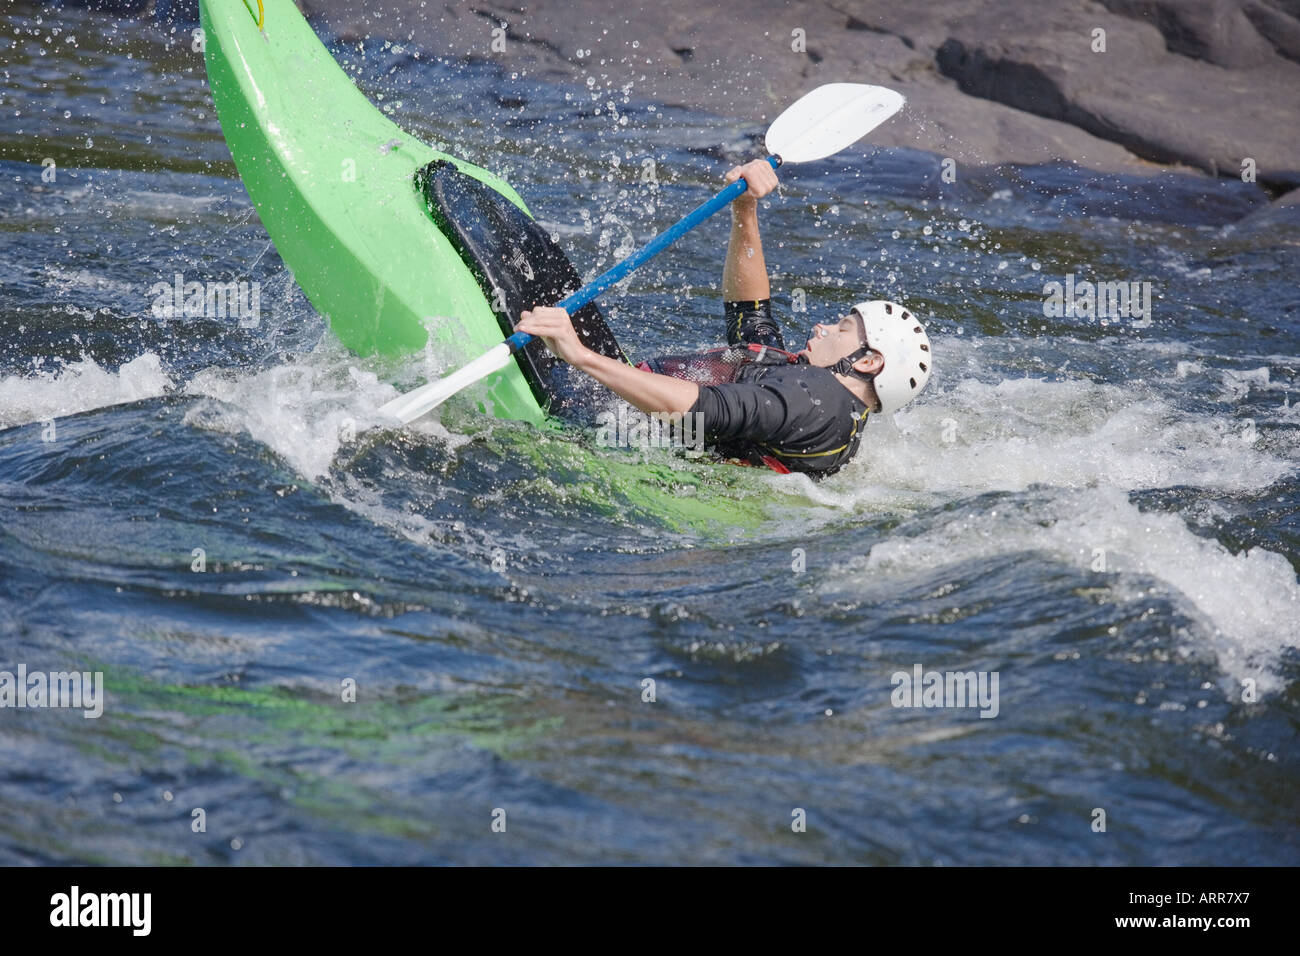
[407,408]
[829,119]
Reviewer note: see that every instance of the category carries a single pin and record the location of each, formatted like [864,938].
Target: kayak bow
[342,208]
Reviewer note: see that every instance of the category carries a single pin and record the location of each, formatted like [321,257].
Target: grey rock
[1216,31]
[987,81]
[1290,7]
[1279,27]
[1161,107]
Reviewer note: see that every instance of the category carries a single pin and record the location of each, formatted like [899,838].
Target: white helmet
[898,336]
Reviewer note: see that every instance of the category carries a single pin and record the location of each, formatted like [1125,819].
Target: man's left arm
[746,287]
[744,275]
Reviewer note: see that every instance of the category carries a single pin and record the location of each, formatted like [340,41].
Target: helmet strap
[845,365]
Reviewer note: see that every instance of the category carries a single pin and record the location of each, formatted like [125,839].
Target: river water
[1101,514]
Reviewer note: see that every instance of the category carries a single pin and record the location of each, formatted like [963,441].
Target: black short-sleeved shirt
[798,414]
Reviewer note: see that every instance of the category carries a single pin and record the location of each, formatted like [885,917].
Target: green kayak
[332,179]
[344,194]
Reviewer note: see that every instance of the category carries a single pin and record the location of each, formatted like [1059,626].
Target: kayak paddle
[819,124]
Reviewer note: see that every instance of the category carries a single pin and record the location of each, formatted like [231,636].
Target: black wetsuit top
[772,411]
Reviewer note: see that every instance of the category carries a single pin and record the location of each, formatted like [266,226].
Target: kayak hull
[333,180]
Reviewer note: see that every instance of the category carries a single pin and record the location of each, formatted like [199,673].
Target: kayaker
[758,403]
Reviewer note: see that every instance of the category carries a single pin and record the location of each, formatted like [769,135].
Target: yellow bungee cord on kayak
[261,13]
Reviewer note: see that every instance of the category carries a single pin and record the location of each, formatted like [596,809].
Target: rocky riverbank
[1206,84]
[1122,85]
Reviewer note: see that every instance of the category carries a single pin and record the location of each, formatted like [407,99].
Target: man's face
[830,342]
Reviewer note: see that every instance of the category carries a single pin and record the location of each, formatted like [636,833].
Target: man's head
[879,343]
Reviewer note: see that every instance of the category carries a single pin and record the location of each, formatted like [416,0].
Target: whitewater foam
[304,410]
[69,388]
[1248,603]
[978,437]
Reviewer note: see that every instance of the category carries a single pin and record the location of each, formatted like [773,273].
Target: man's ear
[871,363]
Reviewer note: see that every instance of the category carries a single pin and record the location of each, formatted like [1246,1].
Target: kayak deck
[518,266]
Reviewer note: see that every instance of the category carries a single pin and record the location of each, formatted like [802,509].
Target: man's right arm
[648,391]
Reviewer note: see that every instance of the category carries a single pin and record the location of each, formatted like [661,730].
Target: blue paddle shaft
[575,301]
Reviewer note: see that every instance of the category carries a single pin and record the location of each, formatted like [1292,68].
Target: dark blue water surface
[1104,514]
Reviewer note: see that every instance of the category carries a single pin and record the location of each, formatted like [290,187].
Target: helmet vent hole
[913,381]
[906,317]
[889,309]
[917,329]
[923,368]
[924,347]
